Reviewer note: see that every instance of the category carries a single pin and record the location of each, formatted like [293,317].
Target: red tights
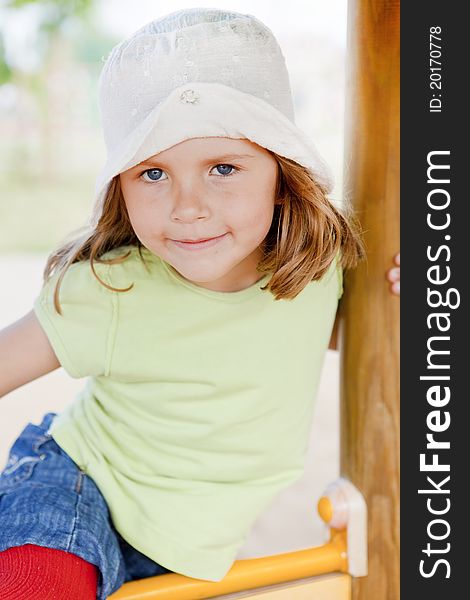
[35,573]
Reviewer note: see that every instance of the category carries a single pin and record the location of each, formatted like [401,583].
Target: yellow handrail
[244,574]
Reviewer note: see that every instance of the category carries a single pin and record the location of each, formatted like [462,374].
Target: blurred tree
[51,52]
[55,12]
[5,70]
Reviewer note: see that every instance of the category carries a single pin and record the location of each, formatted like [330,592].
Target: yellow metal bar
[244,574]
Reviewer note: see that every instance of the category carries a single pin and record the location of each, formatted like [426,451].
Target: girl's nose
[189,206]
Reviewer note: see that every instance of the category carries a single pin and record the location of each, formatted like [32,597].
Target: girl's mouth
[200,243]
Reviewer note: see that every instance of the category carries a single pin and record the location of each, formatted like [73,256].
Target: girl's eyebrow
[219,158]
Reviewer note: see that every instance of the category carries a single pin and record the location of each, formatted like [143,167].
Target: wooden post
[370,325]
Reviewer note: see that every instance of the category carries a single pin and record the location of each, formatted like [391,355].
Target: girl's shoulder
[116,268]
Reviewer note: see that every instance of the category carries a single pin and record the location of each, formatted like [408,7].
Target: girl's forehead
[210,145]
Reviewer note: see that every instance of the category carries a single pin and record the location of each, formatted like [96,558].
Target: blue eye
[153,175]
[225,169]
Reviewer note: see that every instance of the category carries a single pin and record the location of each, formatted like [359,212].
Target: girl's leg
[54,526]
[32,572]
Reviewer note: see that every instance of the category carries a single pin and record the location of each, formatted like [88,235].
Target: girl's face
[205,206]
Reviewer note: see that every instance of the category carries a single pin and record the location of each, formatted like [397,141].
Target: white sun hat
[198,73]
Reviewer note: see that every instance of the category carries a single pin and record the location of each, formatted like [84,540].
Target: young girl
[199,303]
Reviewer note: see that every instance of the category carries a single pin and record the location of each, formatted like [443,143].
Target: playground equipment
[369,346]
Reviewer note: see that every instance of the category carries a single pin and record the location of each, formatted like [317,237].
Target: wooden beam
[369,331]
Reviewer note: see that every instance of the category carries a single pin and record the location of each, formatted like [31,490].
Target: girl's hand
[393,275]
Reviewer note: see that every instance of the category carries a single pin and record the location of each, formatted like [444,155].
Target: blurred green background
[49,124]
[51,54]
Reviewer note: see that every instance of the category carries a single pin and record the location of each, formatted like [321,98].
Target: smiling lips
[198,244]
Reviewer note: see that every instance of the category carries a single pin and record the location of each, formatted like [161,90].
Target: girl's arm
[25,353]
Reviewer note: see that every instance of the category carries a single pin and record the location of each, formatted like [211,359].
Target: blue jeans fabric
[45,499]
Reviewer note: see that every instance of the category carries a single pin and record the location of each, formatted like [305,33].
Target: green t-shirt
[198,405]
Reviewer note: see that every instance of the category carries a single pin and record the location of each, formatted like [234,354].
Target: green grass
[35,215]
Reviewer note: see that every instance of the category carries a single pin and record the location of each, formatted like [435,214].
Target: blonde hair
[306,234]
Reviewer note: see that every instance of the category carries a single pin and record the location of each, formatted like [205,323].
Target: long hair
[306,234]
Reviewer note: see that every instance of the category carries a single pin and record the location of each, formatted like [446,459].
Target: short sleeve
[82,335]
